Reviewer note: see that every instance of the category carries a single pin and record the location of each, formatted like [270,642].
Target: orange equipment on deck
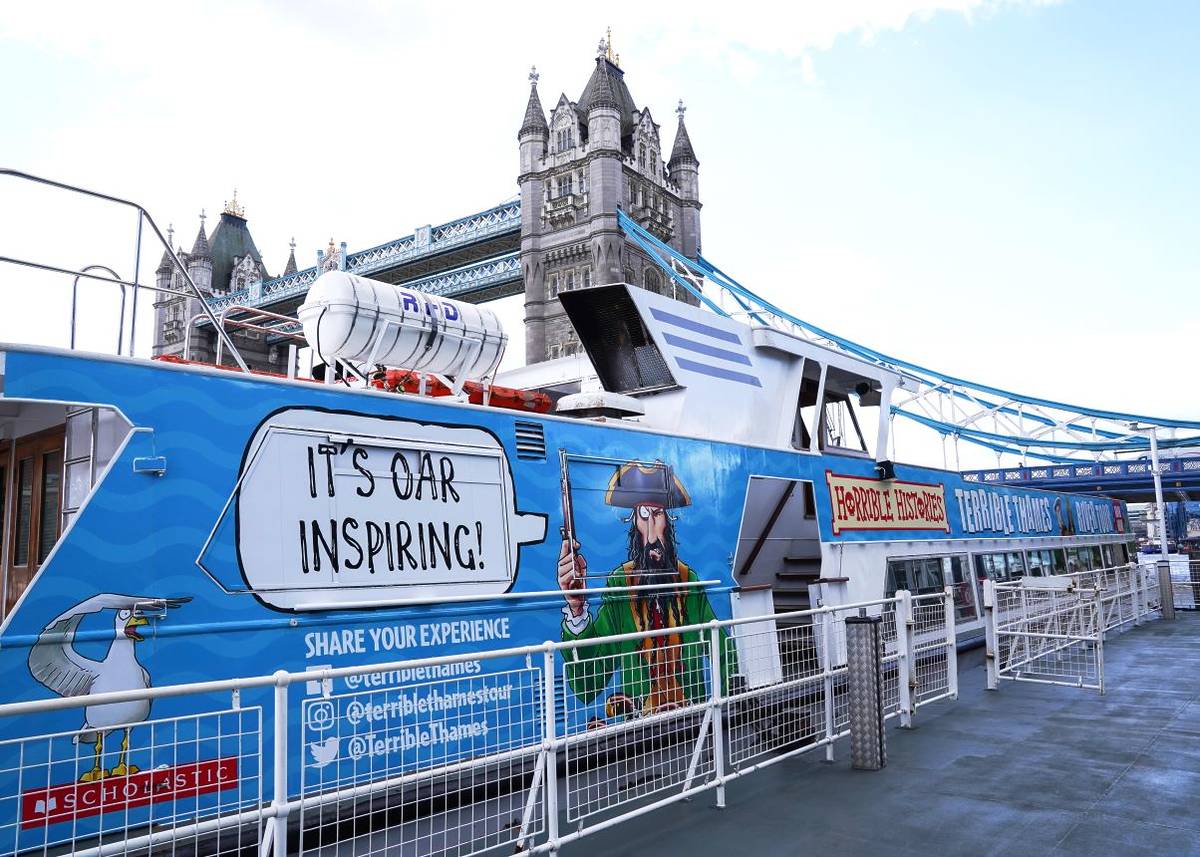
[404,381]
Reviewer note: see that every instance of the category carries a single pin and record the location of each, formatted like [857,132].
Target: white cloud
[808,72]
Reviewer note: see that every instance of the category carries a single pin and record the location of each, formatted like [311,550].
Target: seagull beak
[132,625]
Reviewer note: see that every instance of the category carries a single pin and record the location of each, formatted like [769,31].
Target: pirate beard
[656,563]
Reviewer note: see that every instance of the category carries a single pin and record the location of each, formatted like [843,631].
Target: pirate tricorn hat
[635,483]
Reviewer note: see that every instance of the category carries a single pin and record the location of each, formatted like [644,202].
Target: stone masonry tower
[590,158]
[227,263]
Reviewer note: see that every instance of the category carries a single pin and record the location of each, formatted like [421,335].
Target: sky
[1004,190]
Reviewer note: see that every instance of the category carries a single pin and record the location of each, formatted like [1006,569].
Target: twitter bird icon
[324,752]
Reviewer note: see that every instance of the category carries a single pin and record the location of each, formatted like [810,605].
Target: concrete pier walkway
[1027,770]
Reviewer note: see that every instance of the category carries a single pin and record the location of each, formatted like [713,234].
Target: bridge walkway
[1027,770]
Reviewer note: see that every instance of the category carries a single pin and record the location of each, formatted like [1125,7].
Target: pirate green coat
[589,668]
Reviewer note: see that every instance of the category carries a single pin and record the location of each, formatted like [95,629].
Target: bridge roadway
[1129,480]
[1027,770]
[472,258]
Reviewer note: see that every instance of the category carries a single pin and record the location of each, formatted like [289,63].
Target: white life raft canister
[361,320]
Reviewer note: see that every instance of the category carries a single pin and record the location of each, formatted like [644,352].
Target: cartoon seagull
[54,662]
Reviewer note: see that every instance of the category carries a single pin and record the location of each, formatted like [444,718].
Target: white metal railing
[1184,574]
[88,273]
[1185,590]
[1051,630]
[463,753]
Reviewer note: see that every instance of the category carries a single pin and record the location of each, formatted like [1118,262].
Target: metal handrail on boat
[75,300]
[143,218]
[256,320]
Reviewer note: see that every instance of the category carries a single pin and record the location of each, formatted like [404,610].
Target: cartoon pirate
[657,672]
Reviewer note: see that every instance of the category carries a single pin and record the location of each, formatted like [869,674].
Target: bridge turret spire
[535,117]
[200,245]
[682,152]
[165,264]
[290,268]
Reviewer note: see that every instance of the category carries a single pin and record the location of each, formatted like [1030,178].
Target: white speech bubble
[344,509]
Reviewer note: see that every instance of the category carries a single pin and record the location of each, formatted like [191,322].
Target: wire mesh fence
[160,786]
[1052,630]
[1184,574]
[786,705]
[637,719]
[1049,635]
[464,754]
[432,767]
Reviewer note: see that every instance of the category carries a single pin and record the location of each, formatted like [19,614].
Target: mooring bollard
[1166,592]
[864,655]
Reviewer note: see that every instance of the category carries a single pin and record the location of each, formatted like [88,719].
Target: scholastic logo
[79,800]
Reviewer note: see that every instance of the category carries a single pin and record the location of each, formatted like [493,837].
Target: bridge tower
[591,157]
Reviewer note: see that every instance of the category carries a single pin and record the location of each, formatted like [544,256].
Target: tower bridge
[598,203]
[578,166]
[472,258]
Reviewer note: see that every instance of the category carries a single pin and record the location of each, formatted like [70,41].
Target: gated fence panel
[1049,635]
[1051,630]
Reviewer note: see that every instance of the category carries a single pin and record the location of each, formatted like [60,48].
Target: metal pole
[1158,493]
[904,666]
[551,746]
[989,630]
[1139,594]
[718,725]
[1166,594]
[1099,654]
[827,682]
[279,801]
[137,266]
[951,646]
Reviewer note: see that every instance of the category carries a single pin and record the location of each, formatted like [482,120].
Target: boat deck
[1027,770]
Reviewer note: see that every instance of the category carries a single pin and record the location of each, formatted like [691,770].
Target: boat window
[1058,561]
[806,412]
[24,516]
[1084,558]
[926,575]
[919,576]
[851,411]
[956,577]
[841,429]
[843,426]
[1000,567]
[987,567]
[1016,564]
[1039,563]
[49,516]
